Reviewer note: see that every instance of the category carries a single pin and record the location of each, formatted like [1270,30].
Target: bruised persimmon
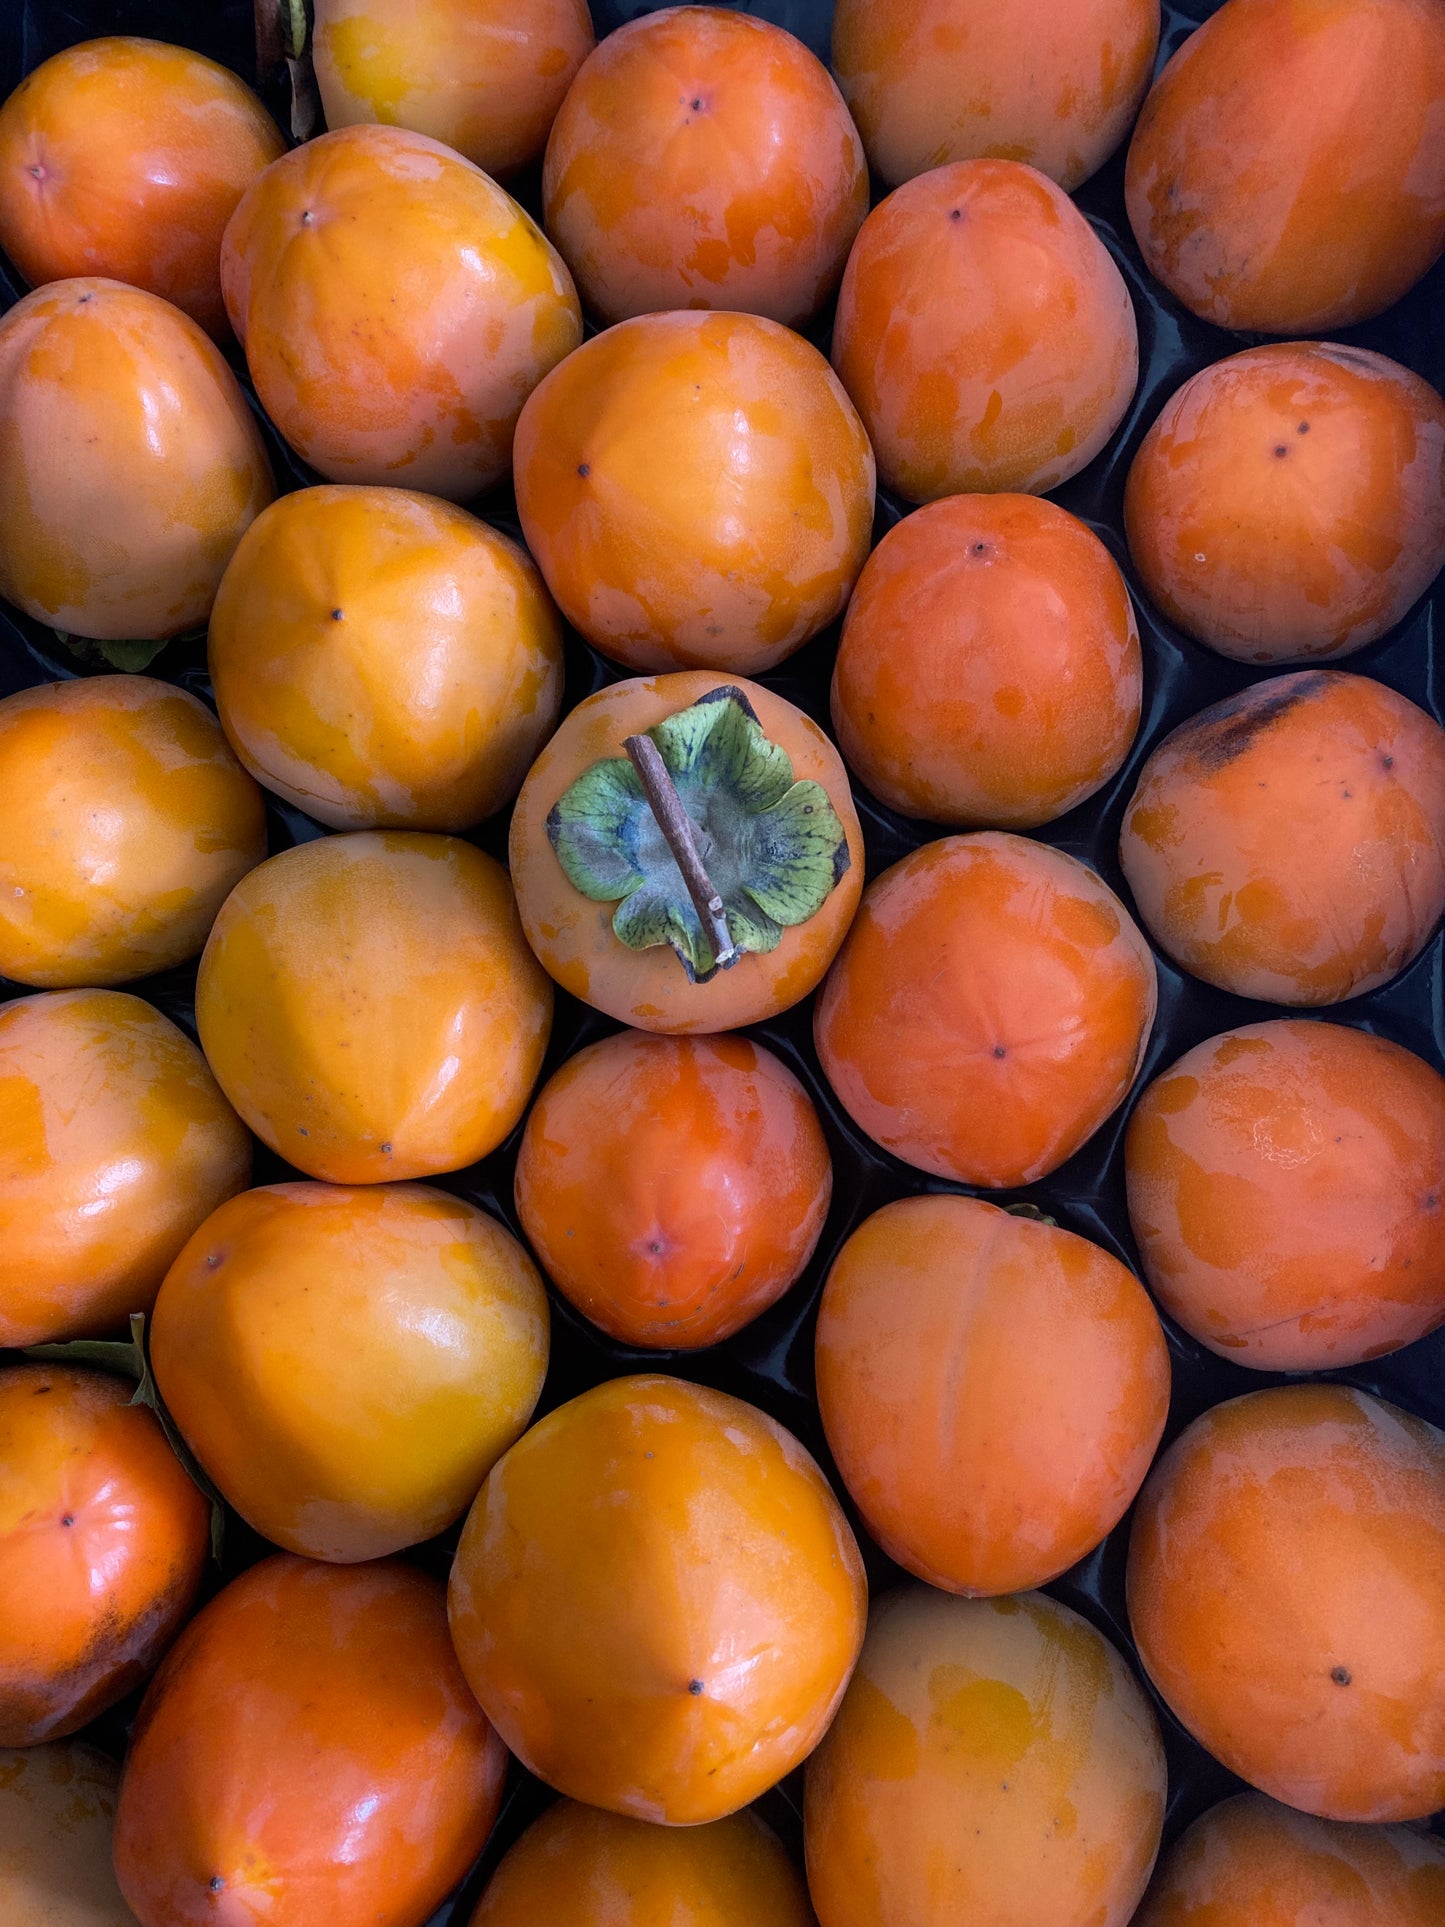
[657,1600]
[396,307]
[768,799]
[1289,842]
[988,1010]
[989,673]
[993,1760]
[704,159]
[1287,1192]
[1287,1596]
[370,1007]
[984,333]
[382,658]
[1289,502]
[57,1814]
[103,1541]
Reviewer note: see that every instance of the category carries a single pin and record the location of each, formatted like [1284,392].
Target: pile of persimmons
[655,1598]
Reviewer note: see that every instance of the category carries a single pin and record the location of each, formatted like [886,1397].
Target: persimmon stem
[677,827]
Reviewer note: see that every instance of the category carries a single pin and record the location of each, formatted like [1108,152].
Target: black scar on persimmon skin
[1219,735]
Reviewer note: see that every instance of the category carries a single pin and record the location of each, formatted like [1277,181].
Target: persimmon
[383,658]
[1288,843]
[120,420]
[370,1007]
[1287,1596]
[127,822]
[349,1450]
[1285,1188]
[657,1600]
[931,81]
[768,797]
[484,76]
[697,490]
[116,1144]
[989,673]
[988,1010]
[984,333]
[57,1813]
[993,1759]
[126,157]
[308,1754]
[1289,502]
[103,1542]
[704,159]
[396,307]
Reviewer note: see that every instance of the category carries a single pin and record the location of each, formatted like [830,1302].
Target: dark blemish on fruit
[656,1245]
[1340,1676]
[67,1518]
[1387,762]
[1303,429]
[306,218]
[301,1131]
[215,1883]
[213,1260]
[694,1686]
[1218,735]
[584,469]
[955,214]
[647,1455]
[999,1051]
[386,1148]
[336,615]
[37,172]
[696,106]
[980,548]
[1432,1203]
[1280,449]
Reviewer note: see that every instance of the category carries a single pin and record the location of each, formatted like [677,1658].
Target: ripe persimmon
[657,1600]
[57,1814]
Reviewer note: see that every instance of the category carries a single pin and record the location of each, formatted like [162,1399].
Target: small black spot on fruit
[1341,1676]
[1280,449]
[336,615]
[999,1051]
[67,1518]
[1303,429]
[694,1686]
[584,469]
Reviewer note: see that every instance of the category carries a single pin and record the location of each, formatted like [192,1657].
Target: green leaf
[718,744]
[797,849]
[655,914]
[129,656]
[590,829]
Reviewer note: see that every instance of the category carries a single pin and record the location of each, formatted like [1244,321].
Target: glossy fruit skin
[593,1869]
[396,307]
[989,673]
[1287,1596]
[1286,174]
[697,490]
[984,334]
[484,76]
[117,412]
[1289,502]
[933,81]
[383,659]
[989,1009]
[980,1738]
[126,158]
[369,1006]
[704,159]
[127,822]
[311,1744]
[993,1390]
[117,1143]
[57,1806]
[1250,1862]
[673,1187]
[1285,1193]
[348,1362]
[1241,842]
[103,1543]
[658,1601]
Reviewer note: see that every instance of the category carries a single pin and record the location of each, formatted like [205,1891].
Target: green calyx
[721,827]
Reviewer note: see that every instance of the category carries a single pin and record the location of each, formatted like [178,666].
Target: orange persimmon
[57,1815]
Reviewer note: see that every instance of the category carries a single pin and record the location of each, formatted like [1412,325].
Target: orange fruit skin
[117,413]
[1252,1863]
[988,1010]
[933,81]
[1285,1192]
[1287,1596]
[396,307]
[484,76]
[1286,174]
[704,159]
[382,658]
[103,1541]
[992,1760]
[311,1745]
[126,158]
[127,822]
[348,1452]
[1289,502]
[117,1143]
[57,1808]
[573,935]
[595,1869]
[1289,842]
[697,490]
[673,1187]
[984,334]
[370,1007]
[658,1601]
[989,673]
[993,1390]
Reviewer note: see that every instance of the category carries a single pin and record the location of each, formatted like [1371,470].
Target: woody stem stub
[677,827]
